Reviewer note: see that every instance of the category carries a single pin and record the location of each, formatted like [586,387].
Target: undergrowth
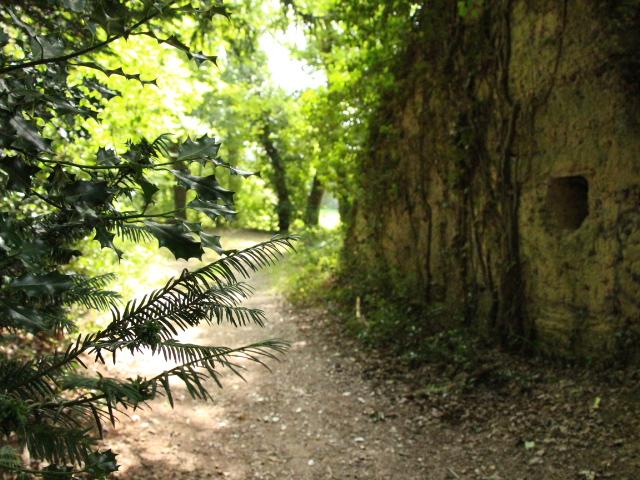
[310,276]
[452,358]
[403,327]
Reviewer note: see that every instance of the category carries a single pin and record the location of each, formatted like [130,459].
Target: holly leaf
[207,188]
[107,157]
[105,237]
[198,57]
[75,5]
[58,179]
[89,192]
[175,237]
[202,148]
[211,209]
[27,135]
[21,316]
[39,285]
[242,173]
[20,173]
[100,464]
[234,170]
[148,189]
[46,47]
[212,242]
[116,71]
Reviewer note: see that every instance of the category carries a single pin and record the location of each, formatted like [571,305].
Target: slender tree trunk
[278,179]
[312,214]
[345,209]
[180,196]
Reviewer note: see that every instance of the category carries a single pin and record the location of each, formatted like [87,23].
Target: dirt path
[303,420]
[327,411]
[313,416]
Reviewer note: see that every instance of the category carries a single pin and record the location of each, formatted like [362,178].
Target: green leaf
[105,237]
[115,71]
[211,209]
[46,47]
[175,42]
[148,189]
[212,242]
[24,317]
[20,173]
[102,463]
[59,179]
[90,192]
[28,136]
[175,237]
[107,157]
[75,5]
[234,170]
[38,285]
[202,148]
[207,188]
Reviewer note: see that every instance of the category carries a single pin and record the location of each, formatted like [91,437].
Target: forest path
[312,417]
[329,410]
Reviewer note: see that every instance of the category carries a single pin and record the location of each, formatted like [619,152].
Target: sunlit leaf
[200,149]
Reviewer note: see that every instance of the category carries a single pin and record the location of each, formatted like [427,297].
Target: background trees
[79,160]
[266,127]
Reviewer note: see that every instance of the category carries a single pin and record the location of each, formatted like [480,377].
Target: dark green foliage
[51,198]
[46,404]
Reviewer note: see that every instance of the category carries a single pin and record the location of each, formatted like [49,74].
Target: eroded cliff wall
[503,176]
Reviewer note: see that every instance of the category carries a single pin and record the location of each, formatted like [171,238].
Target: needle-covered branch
[64,399]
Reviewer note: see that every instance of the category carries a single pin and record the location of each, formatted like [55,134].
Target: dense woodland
[443,195]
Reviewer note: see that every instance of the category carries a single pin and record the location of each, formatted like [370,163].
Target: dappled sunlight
[304,419]
[319,239]
[182,438]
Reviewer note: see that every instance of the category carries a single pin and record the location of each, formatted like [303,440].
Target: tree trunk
[345,208]
[278,180]
[312,214]
[180,196]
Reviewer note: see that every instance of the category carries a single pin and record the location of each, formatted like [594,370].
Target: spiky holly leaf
[211,209]
[176,237]
[200,149]
[20,173]
[23,317]
[89,192]
[212,242]
[105,237]
[101,464]
[39,285]
[148,189]
[207,188]
[107,157]
[234,170]
[27,136]
[116,71]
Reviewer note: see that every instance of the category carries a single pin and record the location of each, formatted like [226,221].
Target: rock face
[503,179]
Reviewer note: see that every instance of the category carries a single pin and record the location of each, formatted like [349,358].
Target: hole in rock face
[568,201]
